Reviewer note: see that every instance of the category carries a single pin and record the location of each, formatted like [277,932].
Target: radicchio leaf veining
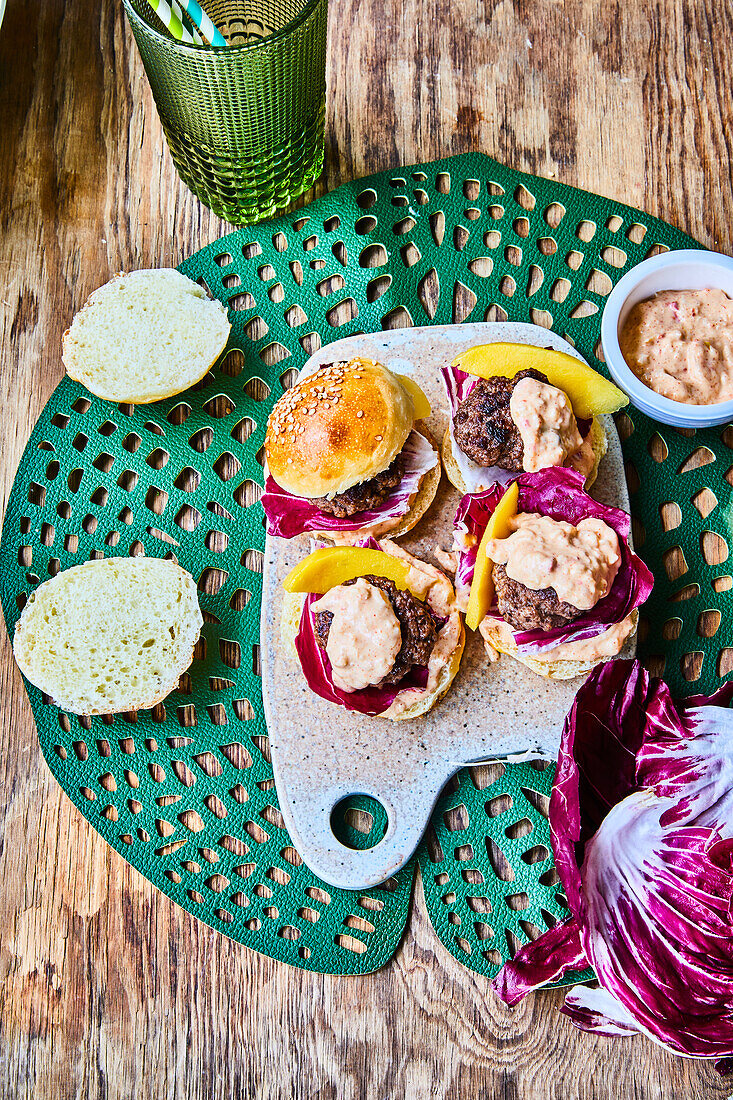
[641,816]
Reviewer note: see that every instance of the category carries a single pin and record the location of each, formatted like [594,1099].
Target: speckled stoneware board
[321,752]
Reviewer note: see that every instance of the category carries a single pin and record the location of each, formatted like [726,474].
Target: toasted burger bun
[445,659]
[337,427]
[400,525]
[598,440]
[426,700]
[545,665]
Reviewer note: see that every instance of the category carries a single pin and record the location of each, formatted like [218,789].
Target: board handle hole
[359,822]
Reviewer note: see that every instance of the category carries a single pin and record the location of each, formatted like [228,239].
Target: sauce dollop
[580,563]
[545,420]
[364,637]
[679,343]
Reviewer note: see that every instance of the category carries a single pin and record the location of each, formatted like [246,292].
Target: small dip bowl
[687,269]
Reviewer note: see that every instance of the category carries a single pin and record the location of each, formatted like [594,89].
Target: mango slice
[482,586]
[333,565]
[419,400]
[589,393]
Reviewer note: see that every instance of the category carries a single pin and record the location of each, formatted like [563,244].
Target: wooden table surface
[107,989]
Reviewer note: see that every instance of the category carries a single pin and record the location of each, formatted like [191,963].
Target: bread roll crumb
[145,336]
[110,635]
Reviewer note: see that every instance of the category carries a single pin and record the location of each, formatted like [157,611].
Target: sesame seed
[360,413]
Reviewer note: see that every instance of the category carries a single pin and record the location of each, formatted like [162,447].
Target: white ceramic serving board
[321,752]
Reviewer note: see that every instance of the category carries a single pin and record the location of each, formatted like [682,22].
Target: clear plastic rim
[168,40]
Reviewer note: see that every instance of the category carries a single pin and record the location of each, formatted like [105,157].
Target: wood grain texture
[106,988]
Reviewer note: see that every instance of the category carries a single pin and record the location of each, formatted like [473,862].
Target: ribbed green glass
[244,124]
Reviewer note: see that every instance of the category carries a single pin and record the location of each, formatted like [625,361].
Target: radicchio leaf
[641,816]
[469,524]
[596,1010]
[558,493]
[288,515]
[530,970]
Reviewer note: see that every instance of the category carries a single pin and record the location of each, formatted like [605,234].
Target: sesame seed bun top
[340,426]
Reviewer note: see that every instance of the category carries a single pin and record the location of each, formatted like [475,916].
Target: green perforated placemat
[185,792]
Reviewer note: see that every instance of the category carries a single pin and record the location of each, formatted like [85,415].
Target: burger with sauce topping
[348,456]
[516,408]
[546,574]
[376,630]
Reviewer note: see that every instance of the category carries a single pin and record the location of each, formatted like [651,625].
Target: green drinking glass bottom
[245,190]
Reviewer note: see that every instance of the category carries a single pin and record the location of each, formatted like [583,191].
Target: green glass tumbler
[244,123]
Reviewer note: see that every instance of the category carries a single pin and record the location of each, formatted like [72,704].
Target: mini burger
[547,575]
[348,456]
[375,629]
[517,408]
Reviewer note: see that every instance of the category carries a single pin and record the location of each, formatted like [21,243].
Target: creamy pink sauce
[429,584]
[365,636]
[376,531]
[580,563]
[545,420]
[609,644]
[583,460]
[446,559]
[680,344]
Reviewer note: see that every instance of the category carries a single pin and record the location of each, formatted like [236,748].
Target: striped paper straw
[170,20]
[176,9]
[200,19]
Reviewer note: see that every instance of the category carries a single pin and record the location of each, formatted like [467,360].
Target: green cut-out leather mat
[185,792]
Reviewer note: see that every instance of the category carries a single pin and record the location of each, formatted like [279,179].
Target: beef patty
[483,427]
[527,609]
[365,496]
[417,626]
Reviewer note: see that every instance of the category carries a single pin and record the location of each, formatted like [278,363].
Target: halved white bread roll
[109,635]
[145,336]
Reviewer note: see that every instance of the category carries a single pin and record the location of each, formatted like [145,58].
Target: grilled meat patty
[367,495]
[527,609]
[417,626]
[483,427]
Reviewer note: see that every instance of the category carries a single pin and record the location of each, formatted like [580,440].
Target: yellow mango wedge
[419,400]
[482,586]
[333,565]
[590,394]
